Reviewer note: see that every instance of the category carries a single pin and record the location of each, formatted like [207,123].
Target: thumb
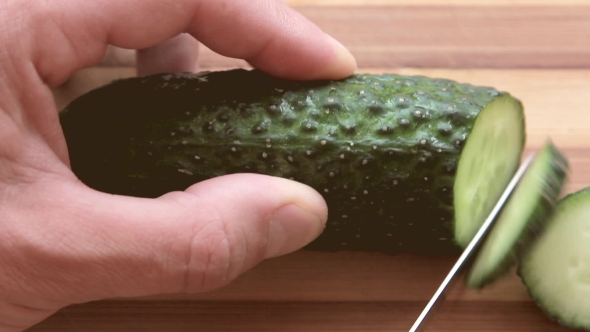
[236,221]
[191,241]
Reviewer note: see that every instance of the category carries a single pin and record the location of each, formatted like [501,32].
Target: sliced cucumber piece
[524,214]
[556,268]
[490,158]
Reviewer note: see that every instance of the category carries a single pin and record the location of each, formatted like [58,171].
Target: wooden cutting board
[537,50]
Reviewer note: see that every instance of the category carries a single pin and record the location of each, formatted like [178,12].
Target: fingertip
[297,220]
[307,198]
[292,227]
[342,64]
[325,58]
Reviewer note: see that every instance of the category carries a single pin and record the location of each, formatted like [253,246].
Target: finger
[175,55]
[191,241]
[71,35]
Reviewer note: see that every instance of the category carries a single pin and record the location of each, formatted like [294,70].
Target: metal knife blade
[440,292]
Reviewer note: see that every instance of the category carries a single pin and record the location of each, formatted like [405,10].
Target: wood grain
[292,317]
[446,36]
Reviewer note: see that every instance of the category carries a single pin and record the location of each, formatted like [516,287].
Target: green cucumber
[556,268]
[522,218]
[405,163]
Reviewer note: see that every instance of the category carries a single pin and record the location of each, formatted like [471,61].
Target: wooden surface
[539,50]
[467,34]
[296,317]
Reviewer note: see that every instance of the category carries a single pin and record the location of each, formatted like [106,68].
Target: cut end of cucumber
[556,268]
[523,216]
[490,158]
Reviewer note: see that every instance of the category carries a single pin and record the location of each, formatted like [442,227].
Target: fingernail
[345,63]
[291,228]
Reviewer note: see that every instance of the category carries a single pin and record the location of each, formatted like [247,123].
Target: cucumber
[556,268]
[405,163]
[522,218]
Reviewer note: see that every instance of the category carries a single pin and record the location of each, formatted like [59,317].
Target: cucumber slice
[490,158]
[556,268]
[526,211]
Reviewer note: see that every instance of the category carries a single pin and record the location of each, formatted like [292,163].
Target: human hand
[63,243]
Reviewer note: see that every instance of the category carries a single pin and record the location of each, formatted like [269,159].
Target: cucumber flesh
[490,158]
[525,213]
[556,268]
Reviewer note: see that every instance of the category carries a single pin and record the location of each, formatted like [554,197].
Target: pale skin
[63,243]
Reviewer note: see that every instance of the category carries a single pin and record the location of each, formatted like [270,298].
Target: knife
[477,239]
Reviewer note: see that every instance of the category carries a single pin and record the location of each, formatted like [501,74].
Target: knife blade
[470,249]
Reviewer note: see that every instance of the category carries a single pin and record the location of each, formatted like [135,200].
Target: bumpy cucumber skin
[547,308]
[381,149]
[545,205]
